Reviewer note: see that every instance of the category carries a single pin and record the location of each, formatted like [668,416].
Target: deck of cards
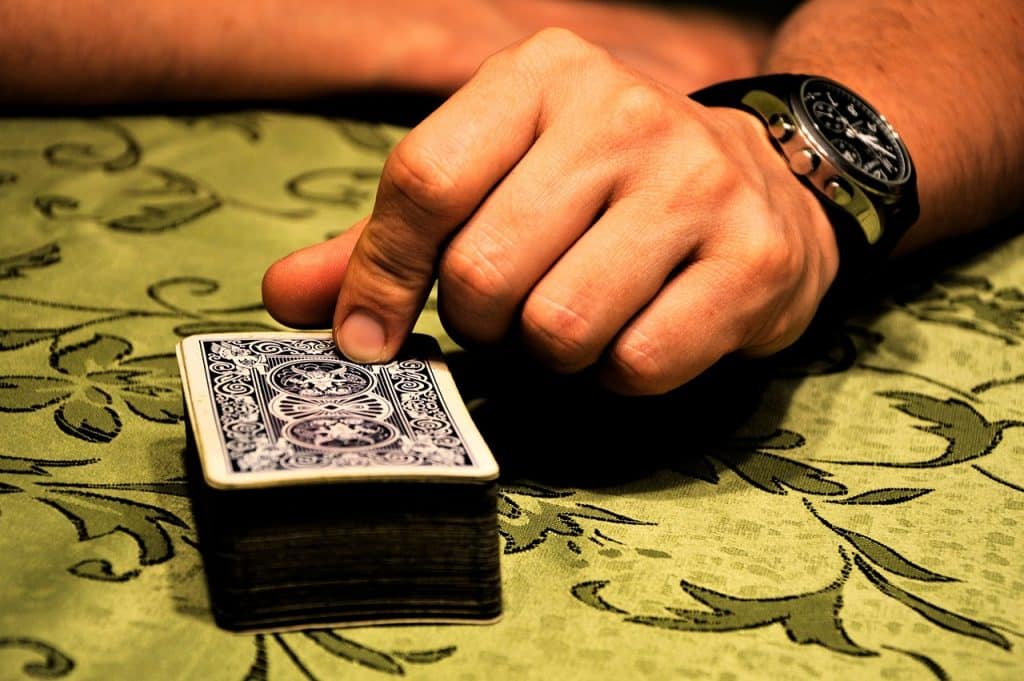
[329,493]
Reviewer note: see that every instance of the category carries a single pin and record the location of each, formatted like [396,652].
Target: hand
[568,202]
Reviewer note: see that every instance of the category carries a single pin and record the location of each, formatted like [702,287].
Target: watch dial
[855,131]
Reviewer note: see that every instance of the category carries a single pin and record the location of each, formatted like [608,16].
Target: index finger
[432,182]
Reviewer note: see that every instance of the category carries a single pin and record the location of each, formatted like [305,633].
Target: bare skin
[569,195]
[93,52]
[617,223]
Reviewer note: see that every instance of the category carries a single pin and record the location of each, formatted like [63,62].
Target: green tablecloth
[853,509]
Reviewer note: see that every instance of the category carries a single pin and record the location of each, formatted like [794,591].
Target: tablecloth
[850,509]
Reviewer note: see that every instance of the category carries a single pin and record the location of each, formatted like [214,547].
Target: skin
[599,217]
[77,51]
[617,223]
[704,262]
[569,196]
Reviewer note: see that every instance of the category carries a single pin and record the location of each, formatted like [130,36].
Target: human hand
[598,217]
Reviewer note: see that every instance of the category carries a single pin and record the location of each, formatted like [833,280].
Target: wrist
[840,148]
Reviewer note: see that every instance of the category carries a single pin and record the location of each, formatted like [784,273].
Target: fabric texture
[850,509]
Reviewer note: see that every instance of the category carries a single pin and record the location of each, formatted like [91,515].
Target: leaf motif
[809,618]
[698,467]
[350,650]
[150,386]
[826,350]
[12,339]
[43,256]
[260,666]
[99,352]
[771,472]
[159,366]
[425,656]
[160,217]
[54,663]
[884,497]
[177,488]
[351,187]
[940,616]
[508,508]
[931,665]
[8,489]
[22,466]
[54,205]
[589,593]
[532,528]
[88,156]
[162,405]
[367,135]
[97,515]
[28,393]
[164,291]
[968,433]
[113,378]
[969,303]
[87,421]
[880,554]
[1012,295]
[217,326]
[774,474]
[169,183]
[247,123]
[998,480]
[101,571]
[527,490]
[779,439]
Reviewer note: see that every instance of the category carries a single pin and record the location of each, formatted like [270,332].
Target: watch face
[854,131]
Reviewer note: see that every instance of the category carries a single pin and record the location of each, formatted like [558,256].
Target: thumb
[301,289]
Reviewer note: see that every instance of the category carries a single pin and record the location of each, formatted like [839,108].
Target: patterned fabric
[851,509]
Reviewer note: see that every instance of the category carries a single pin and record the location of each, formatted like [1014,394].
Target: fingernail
[361,337]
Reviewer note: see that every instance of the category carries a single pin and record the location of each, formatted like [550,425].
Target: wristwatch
[842,149]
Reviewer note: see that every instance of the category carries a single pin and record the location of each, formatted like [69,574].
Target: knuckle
[563,336]
[640,111]
[420,180]
[725,182]
[468,275]
[551,49]
[556,41]
[769,257]
[637,365]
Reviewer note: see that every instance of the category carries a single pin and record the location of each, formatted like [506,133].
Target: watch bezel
[819,141]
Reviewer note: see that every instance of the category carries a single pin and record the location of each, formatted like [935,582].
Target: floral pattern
[849,508]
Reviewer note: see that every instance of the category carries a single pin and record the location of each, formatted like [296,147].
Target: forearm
[83,52]
[92,51]
[948,75]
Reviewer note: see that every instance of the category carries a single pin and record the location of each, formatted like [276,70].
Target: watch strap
[857,253]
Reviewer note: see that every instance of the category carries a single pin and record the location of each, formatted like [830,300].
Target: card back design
[278,409]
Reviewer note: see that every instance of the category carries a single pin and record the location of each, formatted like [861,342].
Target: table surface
[852,508]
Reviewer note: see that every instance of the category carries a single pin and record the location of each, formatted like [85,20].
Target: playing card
[271,409]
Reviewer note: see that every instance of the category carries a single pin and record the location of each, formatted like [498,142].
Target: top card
[272,409]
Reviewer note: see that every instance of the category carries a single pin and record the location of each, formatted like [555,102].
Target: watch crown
[804,162]
[780,126]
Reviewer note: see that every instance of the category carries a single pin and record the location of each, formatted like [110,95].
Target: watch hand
[872,142]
